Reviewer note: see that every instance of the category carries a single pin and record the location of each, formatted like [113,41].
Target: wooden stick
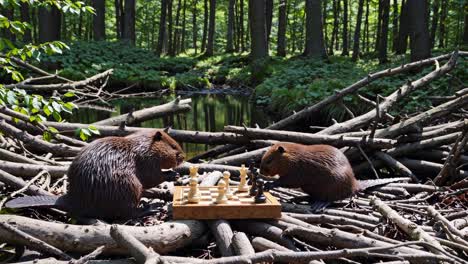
[241,244]
[18,183]
[223,234]
[140,252]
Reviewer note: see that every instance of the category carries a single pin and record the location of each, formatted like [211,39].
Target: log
[427,166]
[30,170]
[396,165]
[83,239]
[174,107]
[223,234]
[261,244]
[206,167]
[18,183]
[241,244]
[267,231]
[390,100]
[13,157]
[309,139]
[37,143]
[243,158]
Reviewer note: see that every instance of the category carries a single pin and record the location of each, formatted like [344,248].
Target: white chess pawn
[193,195]
[193,171]
[221,199]
[243,180]
[226,176]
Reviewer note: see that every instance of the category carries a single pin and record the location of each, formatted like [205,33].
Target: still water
[209,113]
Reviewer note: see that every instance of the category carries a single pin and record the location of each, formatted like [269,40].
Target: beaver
[321,171]
[107,177]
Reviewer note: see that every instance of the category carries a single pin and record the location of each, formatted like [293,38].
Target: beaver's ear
[281,150]
[157,136]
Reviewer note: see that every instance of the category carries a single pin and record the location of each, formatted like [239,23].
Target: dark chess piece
[253,180]
[260,197]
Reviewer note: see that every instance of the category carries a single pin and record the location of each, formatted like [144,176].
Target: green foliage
[86,133]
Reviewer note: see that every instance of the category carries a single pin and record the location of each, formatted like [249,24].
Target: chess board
[240,206]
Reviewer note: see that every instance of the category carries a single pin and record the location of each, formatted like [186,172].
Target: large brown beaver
[107,177]
[322,171]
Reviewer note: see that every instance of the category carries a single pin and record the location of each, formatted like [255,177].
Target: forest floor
[288,84]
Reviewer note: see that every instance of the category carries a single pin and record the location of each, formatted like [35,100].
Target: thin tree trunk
[345,28]
[99,20]
[384,31]
[230,27]
[379,27]
[194,25]
[282,20]
[420,42]
[366,29]
[169,26]
[173,47]
[241,25]
[338,11]
[259,47]
[205,25]
[314,44]
[442,24]
[395,25]
[357,31]
[269,18]
[324,21]
[162,28]
[49,24]
[183,33]
[128,32]
[335,26]
[403,31]
[118,18]
[25,17]
[465,28]
[211,30]
[435,20]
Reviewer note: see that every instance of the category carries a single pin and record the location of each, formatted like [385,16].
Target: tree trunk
[118,18]
[314,45]
[162,28]
[345,28]
[173,47]
[366,29]
[205,25]
[230,27]
[324,22]
[357,32]
[335,25]
[241,25]
[403,31]
[395,25]
[25,17]
[435,19]
[49,24]
[442,24]
[420,43]
[282,20]
[379,27]
[211,30]
[194,25]
[128,32]
[8,11]
[99,20]
[259,47]
[183,33]
[169,26]
[269,18]
[465,29]
[384,31]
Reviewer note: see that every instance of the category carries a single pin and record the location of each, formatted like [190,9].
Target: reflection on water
[209,113]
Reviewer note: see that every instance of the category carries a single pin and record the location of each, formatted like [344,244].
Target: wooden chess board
[240,206]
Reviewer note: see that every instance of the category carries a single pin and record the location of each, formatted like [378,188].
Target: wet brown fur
[106,179]
[322,171]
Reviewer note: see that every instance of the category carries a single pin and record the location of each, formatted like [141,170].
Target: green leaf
[93,130]
[53,130]
[69,94]
[47,136]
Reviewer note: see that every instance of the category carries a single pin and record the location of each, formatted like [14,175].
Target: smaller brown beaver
[107,177]
[322,171]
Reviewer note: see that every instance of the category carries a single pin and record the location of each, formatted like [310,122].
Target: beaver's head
[275,161]
[168,151]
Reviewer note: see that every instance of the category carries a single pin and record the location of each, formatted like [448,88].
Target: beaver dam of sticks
[423,218]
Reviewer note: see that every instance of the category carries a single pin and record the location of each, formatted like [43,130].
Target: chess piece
[259,196]
[253,179]
[193,171]
[221,199]
[193,195]
[243,180]
[226,176]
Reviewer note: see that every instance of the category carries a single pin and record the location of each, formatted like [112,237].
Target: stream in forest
[210,112]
